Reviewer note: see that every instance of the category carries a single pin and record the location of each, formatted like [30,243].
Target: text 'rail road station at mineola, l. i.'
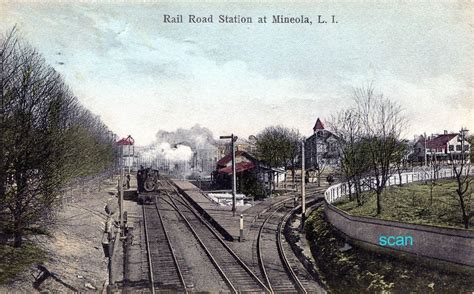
[239,19]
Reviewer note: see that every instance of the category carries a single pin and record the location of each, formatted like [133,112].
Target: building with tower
[321,148]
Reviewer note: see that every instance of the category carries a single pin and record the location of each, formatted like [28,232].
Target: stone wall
[440,243]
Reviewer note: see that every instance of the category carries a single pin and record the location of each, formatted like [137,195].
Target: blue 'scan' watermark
[396,241]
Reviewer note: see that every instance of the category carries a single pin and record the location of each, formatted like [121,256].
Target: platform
[221,217]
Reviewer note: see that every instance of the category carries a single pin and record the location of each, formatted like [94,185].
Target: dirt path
[74,252]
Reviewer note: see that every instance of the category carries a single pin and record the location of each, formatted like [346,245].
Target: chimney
[445,132]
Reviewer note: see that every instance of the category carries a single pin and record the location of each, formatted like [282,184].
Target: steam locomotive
[147,184]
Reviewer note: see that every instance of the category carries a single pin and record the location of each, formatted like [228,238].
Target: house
[321,148]
[440,148]
[253,176]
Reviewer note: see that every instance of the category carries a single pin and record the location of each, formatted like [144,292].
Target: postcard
[237,146]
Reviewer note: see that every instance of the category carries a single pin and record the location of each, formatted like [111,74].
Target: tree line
[47,138]
[371,148]
[368,138]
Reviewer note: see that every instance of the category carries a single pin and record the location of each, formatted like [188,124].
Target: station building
[321,148]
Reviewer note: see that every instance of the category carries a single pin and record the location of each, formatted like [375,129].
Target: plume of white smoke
[182,152]
[196,137]
[178,153]
[168,152]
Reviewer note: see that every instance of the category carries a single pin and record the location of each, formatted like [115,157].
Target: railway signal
[234,177]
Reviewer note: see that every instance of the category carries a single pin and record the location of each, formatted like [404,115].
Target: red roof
[224,160]
[239,167]
[440,141]
[126,141]
[319,125]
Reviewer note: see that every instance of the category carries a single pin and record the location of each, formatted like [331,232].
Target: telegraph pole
[129,162]
[303,192]
[121,188]
[462,135]
[425,148]
[234,176]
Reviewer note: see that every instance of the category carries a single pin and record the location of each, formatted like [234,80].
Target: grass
[411,203]
[16,260]
[362,271]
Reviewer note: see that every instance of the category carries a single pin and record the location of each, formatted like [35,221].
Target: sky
[141,75]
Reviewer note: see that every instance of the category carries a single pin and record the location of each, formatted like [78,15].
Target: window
[458,147]
[451,147]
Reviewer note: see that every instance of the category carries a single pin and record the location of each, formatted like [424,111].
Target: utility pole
[234,176]
[425,148]
[121,188]
[129,161]
[462,135]
[303,192]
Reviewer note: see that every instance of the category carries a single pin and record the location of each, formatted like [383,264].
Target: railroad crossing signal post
[234,177]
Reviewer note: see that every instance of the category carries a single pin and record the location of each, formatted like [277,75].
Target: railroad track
[272,253]
[164,270]
[236,274]
[271,256]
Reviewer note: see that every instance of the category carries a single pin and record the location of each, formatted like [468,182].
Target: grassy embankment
[412,203]
[15,260]
[362,271]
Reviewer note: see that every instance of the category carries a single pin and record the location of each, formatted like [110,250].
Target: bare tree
[278,146]
[400,159]
[347,128]
[294,151]
[431,177]
[9,65]
[382,123]
[321,166]
[47,138]
[461,168]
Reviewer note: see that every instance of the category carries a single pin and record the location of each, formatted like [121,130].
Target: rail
[297,281]
[150,265]
[162,247]
[173,254]
[277,206]
[211,257]
[215,236]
